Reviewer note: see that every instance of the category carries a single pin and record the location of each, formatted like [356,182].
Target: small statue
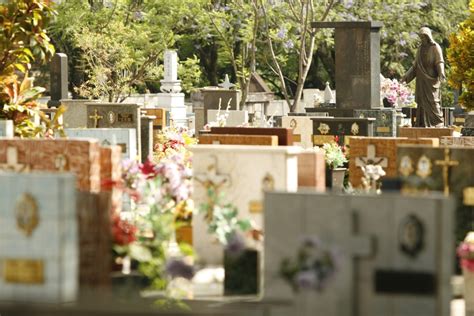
[428,69]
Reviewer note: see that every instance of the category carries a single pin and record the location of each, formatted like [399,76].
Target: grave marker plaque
[58,79]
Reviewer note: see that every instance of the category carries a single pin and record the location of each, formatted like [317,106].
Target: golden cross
[96,117]
[446,164]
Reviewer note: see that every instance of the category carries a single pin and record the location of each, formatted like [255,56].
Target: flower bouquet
[396,93]
[465,253]
[312,268]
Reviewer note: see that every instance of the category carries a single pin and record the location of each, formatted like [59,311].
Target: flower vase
[241,272]
[335,178]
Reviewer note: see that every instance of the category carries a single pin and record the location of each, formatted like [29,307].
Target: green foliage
[222,217]
[461,58]
[23,37]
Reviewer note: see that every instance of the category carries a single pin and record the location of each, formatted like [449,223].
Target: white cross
[371,159]
[12,161]
[226,84]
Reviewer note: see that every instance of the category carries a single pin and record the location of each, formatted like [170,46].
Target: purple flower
[176,268]
[289,44]
[402,42]
[281,32]
[235,245]
[306,280]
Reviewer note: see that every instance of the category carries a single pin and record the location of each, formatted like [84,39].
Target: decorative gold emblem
[446,163]
[355,129]
[111,117]
[468,196]
[406,166]
[293,123]
[96,118]
[61,162]
[424,167]
[26,213]
[323,128]
[23,271]
[383,116]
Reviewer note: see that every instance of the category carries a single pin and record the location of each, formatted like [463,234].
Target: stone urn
[335,178]
[468,274]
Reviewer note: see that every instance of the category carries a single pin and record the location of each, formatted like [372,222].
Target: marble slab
[235,118]
[124,137]
[395,252]
[76,112]
[424,132]
[246,170]
[39,238]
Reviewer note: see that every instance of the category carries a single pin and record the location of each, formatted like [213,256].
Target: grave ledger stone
[394,252]
[39,238]
[424,132]
[58,80]
[357,46]
[256,140]
[241,174]
[81,157]
[285,135]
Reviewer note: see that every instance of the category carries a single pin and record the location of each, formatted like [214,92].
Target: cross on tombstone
[60,162]
[96,117]
[226,84]
[446,163]
[371,159]
[12,161]
[212,180]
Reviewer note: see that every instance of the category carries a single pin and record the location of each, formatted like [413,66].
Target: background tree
[461,58]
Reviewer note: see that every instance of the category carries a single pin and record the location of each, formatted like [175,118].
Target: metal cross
[96,117]
[446,163]
[12,161]
[371,159]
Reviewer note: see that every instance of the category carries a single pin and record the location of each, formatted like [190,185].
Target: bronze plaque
[383,129]
[23,271]
[125,117]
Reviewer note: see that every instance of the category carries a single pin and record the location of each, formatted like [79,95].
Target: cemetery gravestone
[39,238]
[424,132]
[445,169]
[326,128]
[115,115]
[235,118]
[378,151]
[81,157]
[394,252]
[76,113]
[285,135]
[357,46]
[125,138]
[260,140]
[312,170]
[386,121]
[147,136]
[302,127]
[58,80]
[241,174]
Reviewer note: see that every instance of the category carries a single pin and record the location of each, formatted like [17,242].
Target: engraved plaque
[23,271]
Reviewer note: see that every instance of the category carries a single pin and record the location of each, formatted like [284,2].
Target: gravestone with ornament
[285,135]
[241,174]
[378,151]
[386,121]
[233,117]
[424,132]
[393,253]
[257,140]
[115,115]
[58,79]
[326,128]
[302,127]
[76,113]
[39,246]
[445,169]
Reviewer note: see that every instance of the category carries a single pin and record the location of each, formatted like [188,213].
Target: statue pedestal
[174,102]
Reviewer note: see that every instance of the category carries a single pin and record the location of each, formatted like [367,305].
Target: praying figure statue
[428,69]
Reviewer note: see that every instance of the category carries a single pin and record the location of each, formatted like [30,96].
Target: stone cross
[446,163]
[371,159]
[58,79]
[96,117]
[12,161]
[226,84]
